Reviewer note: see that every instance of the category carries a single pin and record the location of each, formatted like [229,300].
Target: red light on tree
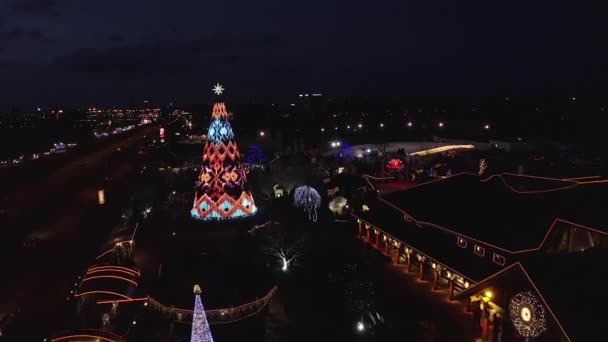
[395,164]
[162,133]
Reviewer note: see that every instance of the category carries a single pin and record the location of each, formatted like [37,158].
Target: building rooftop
[508,211]
[431,242]
[571,284]
[567,284]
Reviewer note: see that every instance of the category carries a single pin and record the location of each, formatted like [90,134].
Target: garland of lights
[309,199]
[527,315]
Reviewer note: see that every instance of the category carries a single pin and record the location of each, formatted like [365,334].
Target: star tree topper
[218,89]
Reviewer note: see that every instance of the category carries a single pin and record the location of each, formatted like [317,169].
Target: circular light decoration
[527,315]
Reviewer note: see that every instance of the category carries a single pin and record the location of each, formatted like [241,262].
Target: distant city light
[369,150]
[348,127]
[359,125]
[262,133]
[441,124]
[322,129]
[409,124]
[381,125]
[336,128]
[486,126]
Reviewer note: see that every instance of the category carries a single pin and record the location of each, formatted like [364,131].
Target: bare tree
[285,248]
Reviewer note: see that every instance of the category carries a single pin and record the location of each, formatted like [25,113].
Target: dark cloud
[19,33]
[169,57]
[36,7]
[116,38]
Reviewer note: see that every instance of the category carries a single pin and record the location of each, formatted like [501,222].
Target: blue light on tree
[219,131]
[255,155]
[309,199]
[345,152]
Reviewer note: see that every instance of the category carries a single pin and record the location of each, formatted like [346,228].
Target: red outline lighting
[461,242]
[99,338]
[110,276]
[102,292]
[498,259]
[94,269]
[479,250]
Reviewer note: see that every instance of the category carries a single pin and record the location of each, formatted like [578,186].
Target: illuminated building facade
[518,250]
[221,188]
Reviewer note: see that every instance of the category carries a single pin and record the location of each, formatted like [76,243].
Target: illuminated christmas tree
[221,189]
[200,326]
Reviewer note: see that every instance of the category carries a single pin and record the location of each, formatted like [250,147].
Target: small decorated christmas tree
[200,327]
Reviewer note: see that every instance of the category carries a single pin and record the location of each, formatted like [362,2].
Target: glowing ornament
[309,199]
[218,89]
[527,315]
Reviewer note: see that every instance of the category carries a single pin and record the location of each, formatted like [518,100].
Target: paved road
[24,203]
[62,211]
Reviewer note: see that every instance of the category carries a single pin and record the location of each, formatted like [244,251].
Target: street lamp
[359,125]
[360,326]
[409,124]
[440,124]
[486,126]
[381,125]
[261,133]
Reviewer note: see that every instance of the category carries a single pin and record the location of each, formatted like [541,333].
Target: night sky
[80,52]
